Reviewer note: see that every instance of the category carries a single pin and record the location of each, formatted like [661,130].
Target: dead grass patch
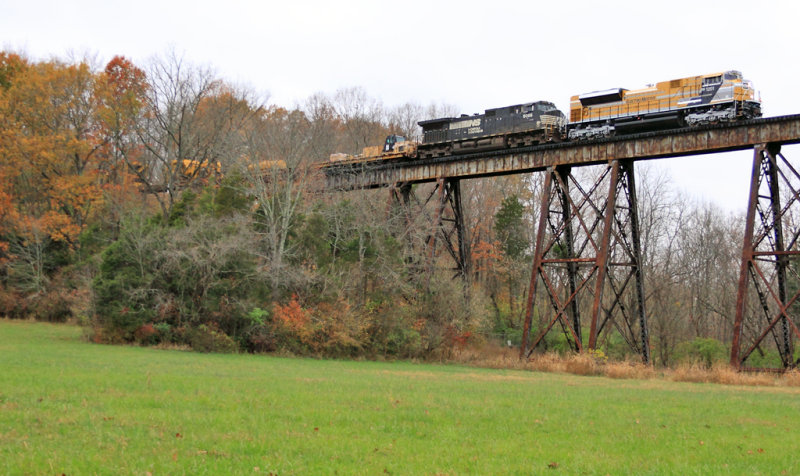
[583,364]
[722,374]
[499,357]
[629,370]
[791,379]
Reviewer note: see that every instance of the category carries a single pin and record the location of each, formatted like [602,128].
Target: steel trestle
[769,281]
[587,251]
[445,225]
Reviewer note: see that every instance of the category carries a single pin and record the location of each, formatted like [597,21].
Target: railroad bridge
[587,240]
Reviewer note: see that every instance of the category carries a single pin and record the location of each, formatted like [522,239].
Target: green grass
[71,407]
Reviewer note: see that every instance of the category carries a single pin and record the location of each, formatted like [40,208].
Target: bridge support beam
[587,250]
[769,277]
[442,212]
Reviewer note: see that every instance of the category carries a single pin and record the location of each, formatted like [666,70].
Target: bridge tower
[769,279]
[443,217]
[587,257]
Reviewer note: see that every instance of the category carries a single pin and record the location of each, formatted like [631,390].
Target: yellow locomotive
[697,100]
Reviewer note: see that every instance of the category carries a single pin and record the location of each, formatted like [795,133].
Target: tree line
[161,204]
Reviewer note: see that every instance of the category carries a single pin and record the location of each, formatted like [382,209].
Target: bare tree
[278,168]
[403,121]
[709,260]
[662,213]
[435,111]
[189,122]
[362,118]
[324,125]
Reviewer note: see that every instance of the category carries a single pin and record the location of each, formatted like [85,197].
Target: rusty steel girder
[587,251]
[443,217]
[650,145]
[769,278]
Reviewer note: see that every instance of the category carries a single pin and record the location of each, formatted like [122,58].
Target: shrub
[146,334]
[339,330]
[199,271]
[259,335]
[12,304]
[391,329]
[207,338]
[52,306]
[447,310]
[293,324]
[165,332]
[704,351]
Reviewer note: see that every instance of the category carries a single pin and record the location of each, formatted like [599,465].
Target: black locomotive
[511,126]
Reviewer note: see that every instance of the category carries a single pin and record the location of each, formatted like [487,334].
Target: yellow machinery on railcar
[394,147]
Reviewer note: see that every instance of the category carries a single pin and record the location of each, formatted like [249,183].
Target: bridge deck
[650,145]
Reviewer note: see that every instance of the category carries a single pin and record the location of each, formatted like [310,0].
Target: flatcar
[697,100]
[511,126]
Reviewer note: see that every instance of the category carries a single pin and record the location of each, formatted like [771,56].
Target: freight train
[697,100]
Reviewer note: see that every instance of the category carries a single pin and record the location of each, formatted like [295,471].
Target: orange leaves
[292,316]
[485,256]
[75,195]
[8,215]
[53,143]
[11,64]
[121,90]
[124,78]
[330,327]
[58,226]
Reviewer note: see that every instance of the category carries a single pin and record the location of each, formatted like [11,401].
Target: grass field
[75,408]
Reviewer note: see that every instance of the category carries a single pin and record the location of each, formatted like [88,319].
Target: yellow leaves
[51,148]
[8,212]
[76,193]
[11,64]
[59,226]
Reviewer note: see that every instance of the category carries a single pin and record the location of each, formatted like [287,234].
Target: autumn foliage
[160,205]
[292,318]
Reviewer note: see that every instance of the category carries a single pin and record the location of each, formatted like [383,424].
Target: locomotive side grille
[549,120]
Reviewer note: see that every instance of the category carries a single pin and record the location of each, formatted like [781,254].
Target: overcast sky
[471,54]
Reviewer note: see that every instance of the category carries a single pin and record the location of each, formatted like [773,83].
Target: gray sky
[472,54]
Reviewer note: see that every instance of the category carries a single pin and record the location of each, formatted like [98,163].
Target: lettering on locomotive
[472,123]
